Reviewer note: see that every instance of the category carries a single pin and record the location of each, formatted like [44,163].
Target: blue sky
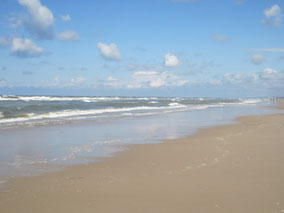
[220,48]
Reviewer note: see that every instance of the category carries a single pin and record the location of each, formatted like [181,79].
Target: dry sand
[232,168]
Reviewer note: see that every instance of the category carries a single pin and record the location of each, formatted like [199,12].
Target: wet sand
[231,168]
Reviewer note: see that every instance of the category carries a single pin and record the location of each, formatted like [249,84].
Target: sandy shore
[232,168]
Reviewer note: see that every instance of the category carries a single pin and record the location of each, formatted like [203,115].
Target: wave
[175,104]
[66,98]
[53,98]
[74,113]
[39,110]
[251,101]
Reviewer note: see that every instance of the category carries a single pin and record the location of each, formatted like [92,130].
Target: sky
[189,48]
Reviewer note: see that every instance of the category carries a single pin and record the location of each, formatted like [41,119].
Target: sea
[19,111]
[45,133]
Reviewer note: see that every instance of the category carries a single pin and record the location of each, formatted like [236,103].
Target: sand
[231,168]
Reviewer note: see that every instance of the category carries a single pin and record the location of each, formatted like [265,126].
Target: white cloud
[266,79]
[111,82]
[220,38]
[4,42]
[275,10]
[39,20]
[257,59]
[171,60]
[240,78]
[153,79]
[271,78]
[110,52]
[22,47]
[269,73]
[182,82]
[274,16]
[66,18]
[157,82]
[69,36]
[233,78]
[144,73]
[133,86]
[146,79]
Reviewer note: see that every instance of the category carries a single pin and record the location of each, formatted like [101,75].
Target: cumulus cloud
[69,36]
[137,74]
[109,52]
[112,83]
[153,79]
[267,78]
[274,16]
[220,38]
[275,10]
[271,78]
[257,59]
[240,78]
[39,19]
[66,18]
[269,73]
[171,60]
[144,79]
[23,47]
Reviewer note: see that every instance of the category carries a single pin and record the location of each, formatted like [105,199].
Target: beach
[230,168]
[167,106]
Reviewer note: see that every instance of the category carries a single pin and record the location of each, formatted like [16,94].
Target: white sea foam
[73,113]
[54,98]
[176,105]
[63,98]
[106,110]
[251,101]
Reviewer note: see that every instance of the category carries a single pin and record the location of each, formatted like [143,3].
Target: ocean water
[46,133]
[16,111]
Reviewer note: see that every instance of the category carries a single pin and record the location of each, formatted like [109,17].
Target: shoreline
[38,149]
[198,173]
